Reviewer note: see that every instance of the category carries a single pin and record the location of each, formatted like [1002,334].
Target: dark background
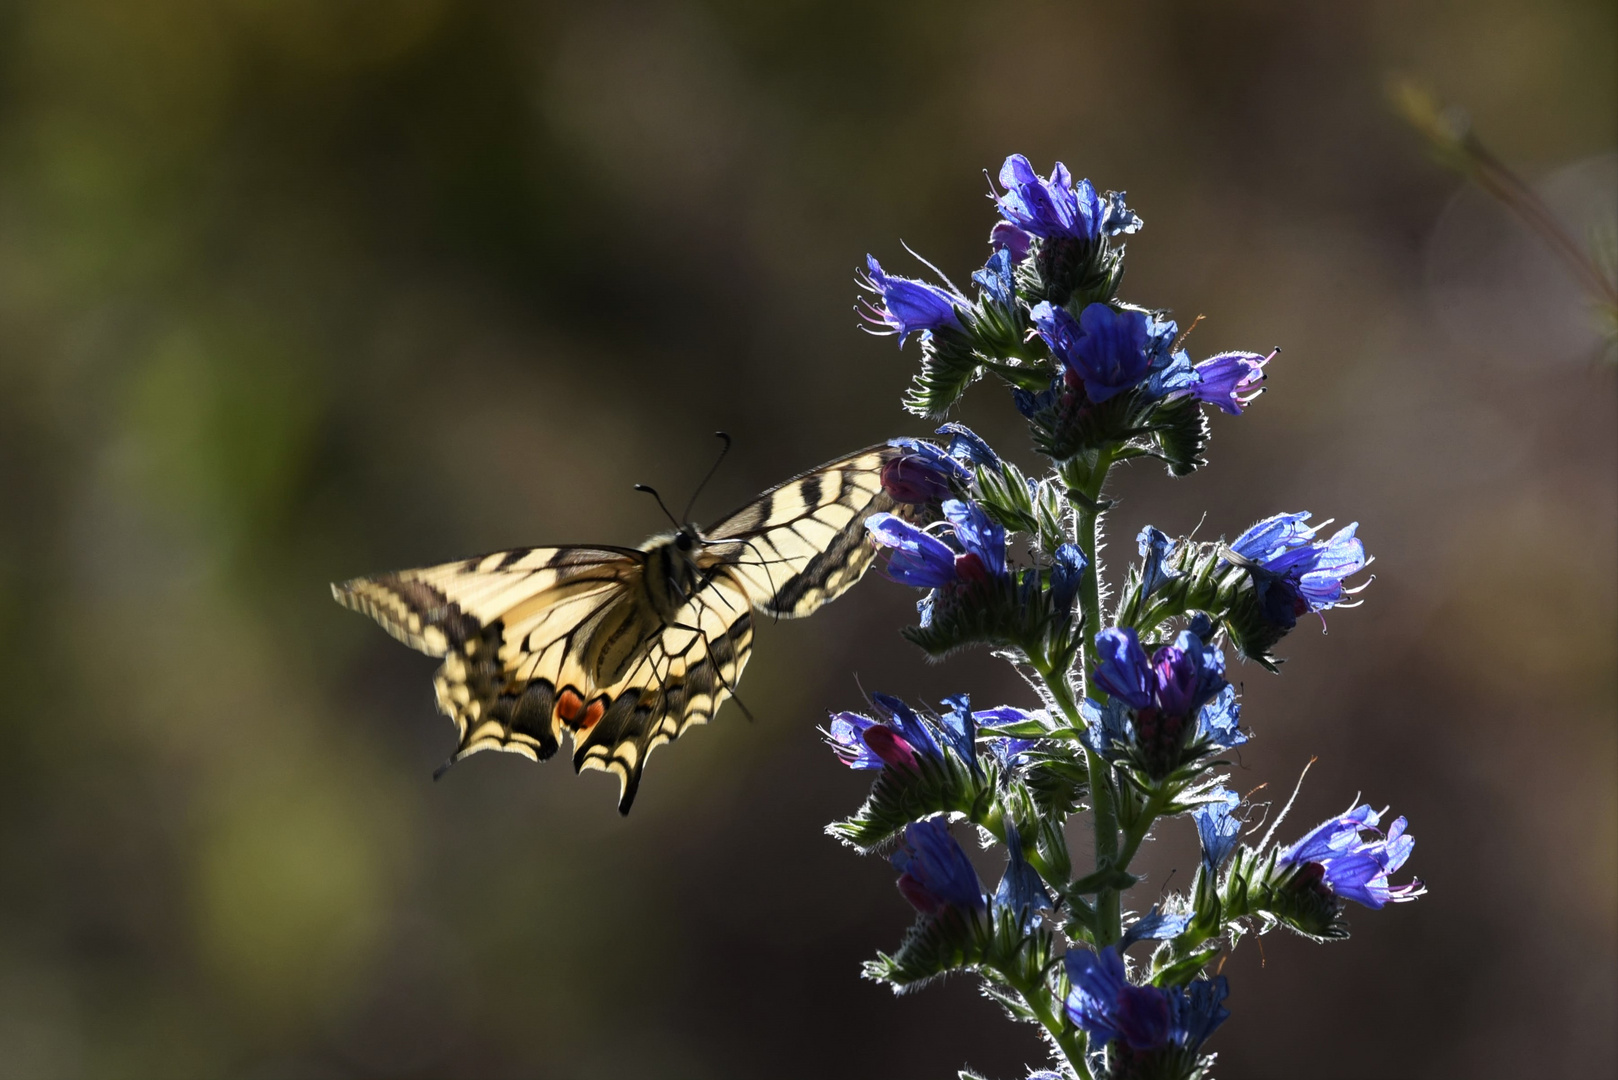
[293,291]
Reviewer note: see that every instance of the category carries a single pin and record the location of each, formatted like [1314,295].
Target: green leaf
[1181,971]
[1022,729]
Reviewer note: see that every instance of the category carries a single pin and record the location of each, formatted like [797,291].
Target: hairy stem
[1069,1039]
[1086,485]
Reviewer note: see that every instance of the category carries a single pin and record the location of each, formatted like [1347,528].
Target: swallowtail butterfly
[625,648]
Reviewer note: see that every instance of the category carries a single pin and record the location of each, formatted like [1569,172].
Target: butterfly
[625,648]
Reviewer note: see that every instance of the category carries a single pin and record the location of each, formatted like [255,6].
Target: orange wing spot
[593,713]
[568,706]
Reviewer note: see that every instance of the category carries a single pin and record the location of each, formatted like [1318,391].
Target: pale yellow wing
[521,633]
[541,641]
[802,543]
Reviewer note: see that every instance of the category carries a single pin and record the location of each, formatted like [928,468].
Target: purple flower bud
[890,748]
[924,473]
[1067,569]
[935,874]
[1013,241]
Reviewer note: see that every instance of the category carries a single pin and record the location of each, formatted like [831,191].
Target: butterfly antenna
[653,493]
[722,452]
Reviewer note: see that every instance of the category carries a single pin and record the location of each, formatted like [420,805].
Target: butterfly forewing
[541,641]
[802,543]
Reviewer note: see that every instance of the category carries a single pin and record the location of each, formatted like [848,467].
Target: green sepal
[1039,510]
[1072,425]
[1071,273]
[955,940]
[948,366]
[1253,635]
[1288,896]
[900,797]
[1014,610]
[1181,432]
[1199,580]
[1057,780]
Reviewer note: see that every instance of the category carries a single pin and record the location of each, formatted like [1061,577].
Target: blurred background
[295,290]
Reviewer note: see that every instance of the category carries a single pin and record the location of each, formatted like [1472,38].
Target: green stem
[1109,903]
[1069,1039]
[995,822]
[1137,833]
[1087,486]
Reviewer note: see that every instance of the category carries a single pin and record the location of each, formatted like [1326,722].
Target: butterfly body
[622,649]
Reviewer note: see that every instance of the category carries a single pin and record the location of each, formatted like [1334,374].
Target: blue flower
[1008,749]
[934,873]
[1230,380]
[1067,569]
[983,540]
[905,305]
[1112,1010]
[899,739]
[996,279]
[1048,208]
[918,558]
[923,560]
[1108,351]
[904,720]
[1292,571]
[1198,1010]
[1336,856]
[1029,403]
[1022,891]
[846,736]
[1119,218]
[924,473]
[1155,925]
[960,729]
[1219,719]
[1153,545]
[1217,829]
[1159,705]
[966,446]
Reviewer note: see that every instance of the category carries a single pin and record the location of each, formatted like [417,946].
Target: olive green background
[293,291]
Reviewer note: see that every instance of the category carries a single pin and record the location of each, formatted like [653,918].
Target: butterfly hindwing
[514,629]
[625,648]
[683,677]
